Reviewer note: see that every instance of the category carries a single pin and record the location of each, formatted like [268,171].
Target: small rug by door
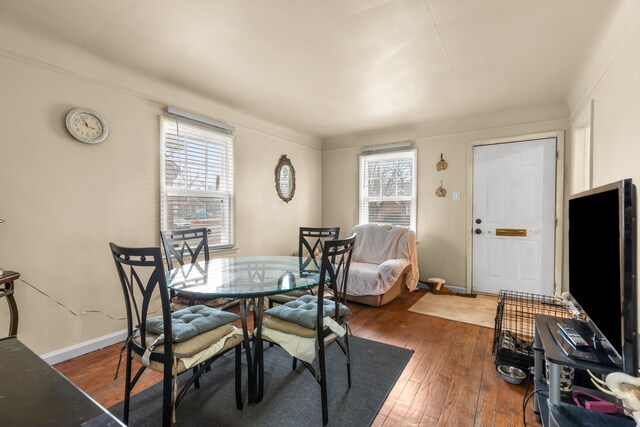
[291,398]
[479,311]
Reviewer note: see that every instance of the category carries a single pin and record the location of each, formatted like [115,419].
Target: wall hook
[442,164]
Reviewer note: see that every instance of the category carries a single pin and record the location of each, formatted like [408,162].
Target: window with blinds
[388,188]
[197,185]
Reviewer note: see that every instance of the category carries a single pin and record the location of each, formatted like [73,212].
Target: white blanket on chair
[374,279]
[381,253]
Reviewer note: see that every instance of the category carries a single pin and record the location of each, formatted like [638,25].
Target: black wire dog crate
[514,325]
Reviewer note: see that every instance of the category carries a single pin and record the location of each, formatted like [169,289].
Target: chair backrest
[142,277]
[311,243]
[336,260]
[185,246]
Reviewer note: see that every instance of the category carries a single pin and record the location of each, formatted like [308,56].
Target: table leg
[253,346]
[554,383]
[13,308]
[257,342]
[247,349]
[538,366]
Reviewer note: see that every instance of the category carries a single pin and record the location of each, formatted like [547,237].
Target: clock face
[87,126]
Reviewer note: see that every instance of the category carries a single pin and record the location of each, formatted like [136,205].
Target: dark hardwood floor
[450,380]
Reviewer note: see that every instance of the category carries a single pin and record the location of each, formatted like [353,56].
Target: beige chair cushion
[289,296]
[288,327]
[293,295]
[231,342]
[193,345]
[298,292]
[180,302]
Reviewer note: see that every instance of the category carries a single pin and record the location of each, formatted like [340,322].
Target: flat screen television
[602,264]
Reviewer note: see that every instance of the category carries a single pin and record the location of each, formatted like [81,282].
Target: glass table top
[242,277]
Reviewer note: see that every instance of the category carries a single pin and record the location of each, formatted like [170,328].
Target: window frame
[363,178]
[206,125]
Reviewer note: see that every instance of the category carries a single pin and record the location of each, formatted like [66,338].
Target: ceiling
[336,67]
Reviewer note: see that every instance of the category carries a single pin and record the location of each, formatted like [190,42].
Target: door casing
[559,135]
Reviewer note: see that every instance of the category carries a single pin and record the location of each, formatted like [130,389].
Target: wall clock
[87,126]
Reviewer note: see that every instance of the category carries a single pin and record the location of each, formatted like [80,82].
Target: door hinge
[557,155]
[556,221]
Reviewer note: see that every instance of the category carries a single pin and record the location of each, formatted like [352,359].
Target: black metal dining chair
[306,316]
[186,247]
[311,243]
[162,342]
[180,243]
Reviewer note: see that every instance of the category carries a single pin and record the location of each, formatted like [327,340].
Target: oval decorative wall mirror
[285,179]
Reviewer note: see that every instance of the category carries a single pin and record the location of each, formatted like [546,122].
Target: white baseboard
[76,350]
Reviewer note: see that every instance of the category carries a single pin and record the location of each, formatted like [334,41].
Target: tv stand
[553,410]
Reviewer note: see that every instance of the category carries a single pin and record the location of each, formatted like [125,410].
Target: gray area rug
[291,398]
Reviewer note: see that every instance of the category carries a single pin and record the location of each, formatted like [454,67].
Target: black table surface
[32,393]
[552,342]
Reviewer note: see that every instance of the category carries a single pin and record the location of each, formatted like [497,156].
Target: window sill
[221,252]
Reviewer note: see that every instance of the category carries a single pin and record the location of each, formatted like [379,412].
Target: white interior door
[514,188]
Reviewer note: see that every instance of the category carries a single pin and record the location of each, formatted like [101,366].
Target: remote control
[573,337]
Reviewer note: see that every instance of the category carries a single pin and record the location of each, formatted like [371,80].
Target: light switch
[456,196]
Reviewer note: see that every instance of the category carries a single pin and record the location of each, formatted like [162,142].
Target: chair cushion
[178,303]
[184,300]
[293,295]
[296,293]
[191,321]
[191,346]
[288,327]
[283,298]
[303,311]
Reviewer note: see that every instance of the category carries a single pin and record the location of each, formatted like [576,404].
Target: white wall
[63,201]
[441,224]
[616,116]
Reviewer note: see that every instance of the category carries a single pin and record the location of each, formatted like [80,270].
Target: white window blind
[197,184]
[388,188]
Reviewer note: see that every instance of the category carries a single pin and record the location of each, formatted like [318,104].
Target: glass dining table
[250,280]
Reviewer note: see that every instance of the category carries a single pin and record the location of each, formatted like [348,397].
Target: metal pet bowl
[511,374]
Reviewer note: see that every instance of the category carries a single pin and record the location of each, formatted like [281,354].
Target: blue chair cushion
[191,321]
[303,311]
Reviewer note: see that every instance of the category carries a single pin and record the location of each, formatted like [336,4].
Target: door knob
[478,231]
